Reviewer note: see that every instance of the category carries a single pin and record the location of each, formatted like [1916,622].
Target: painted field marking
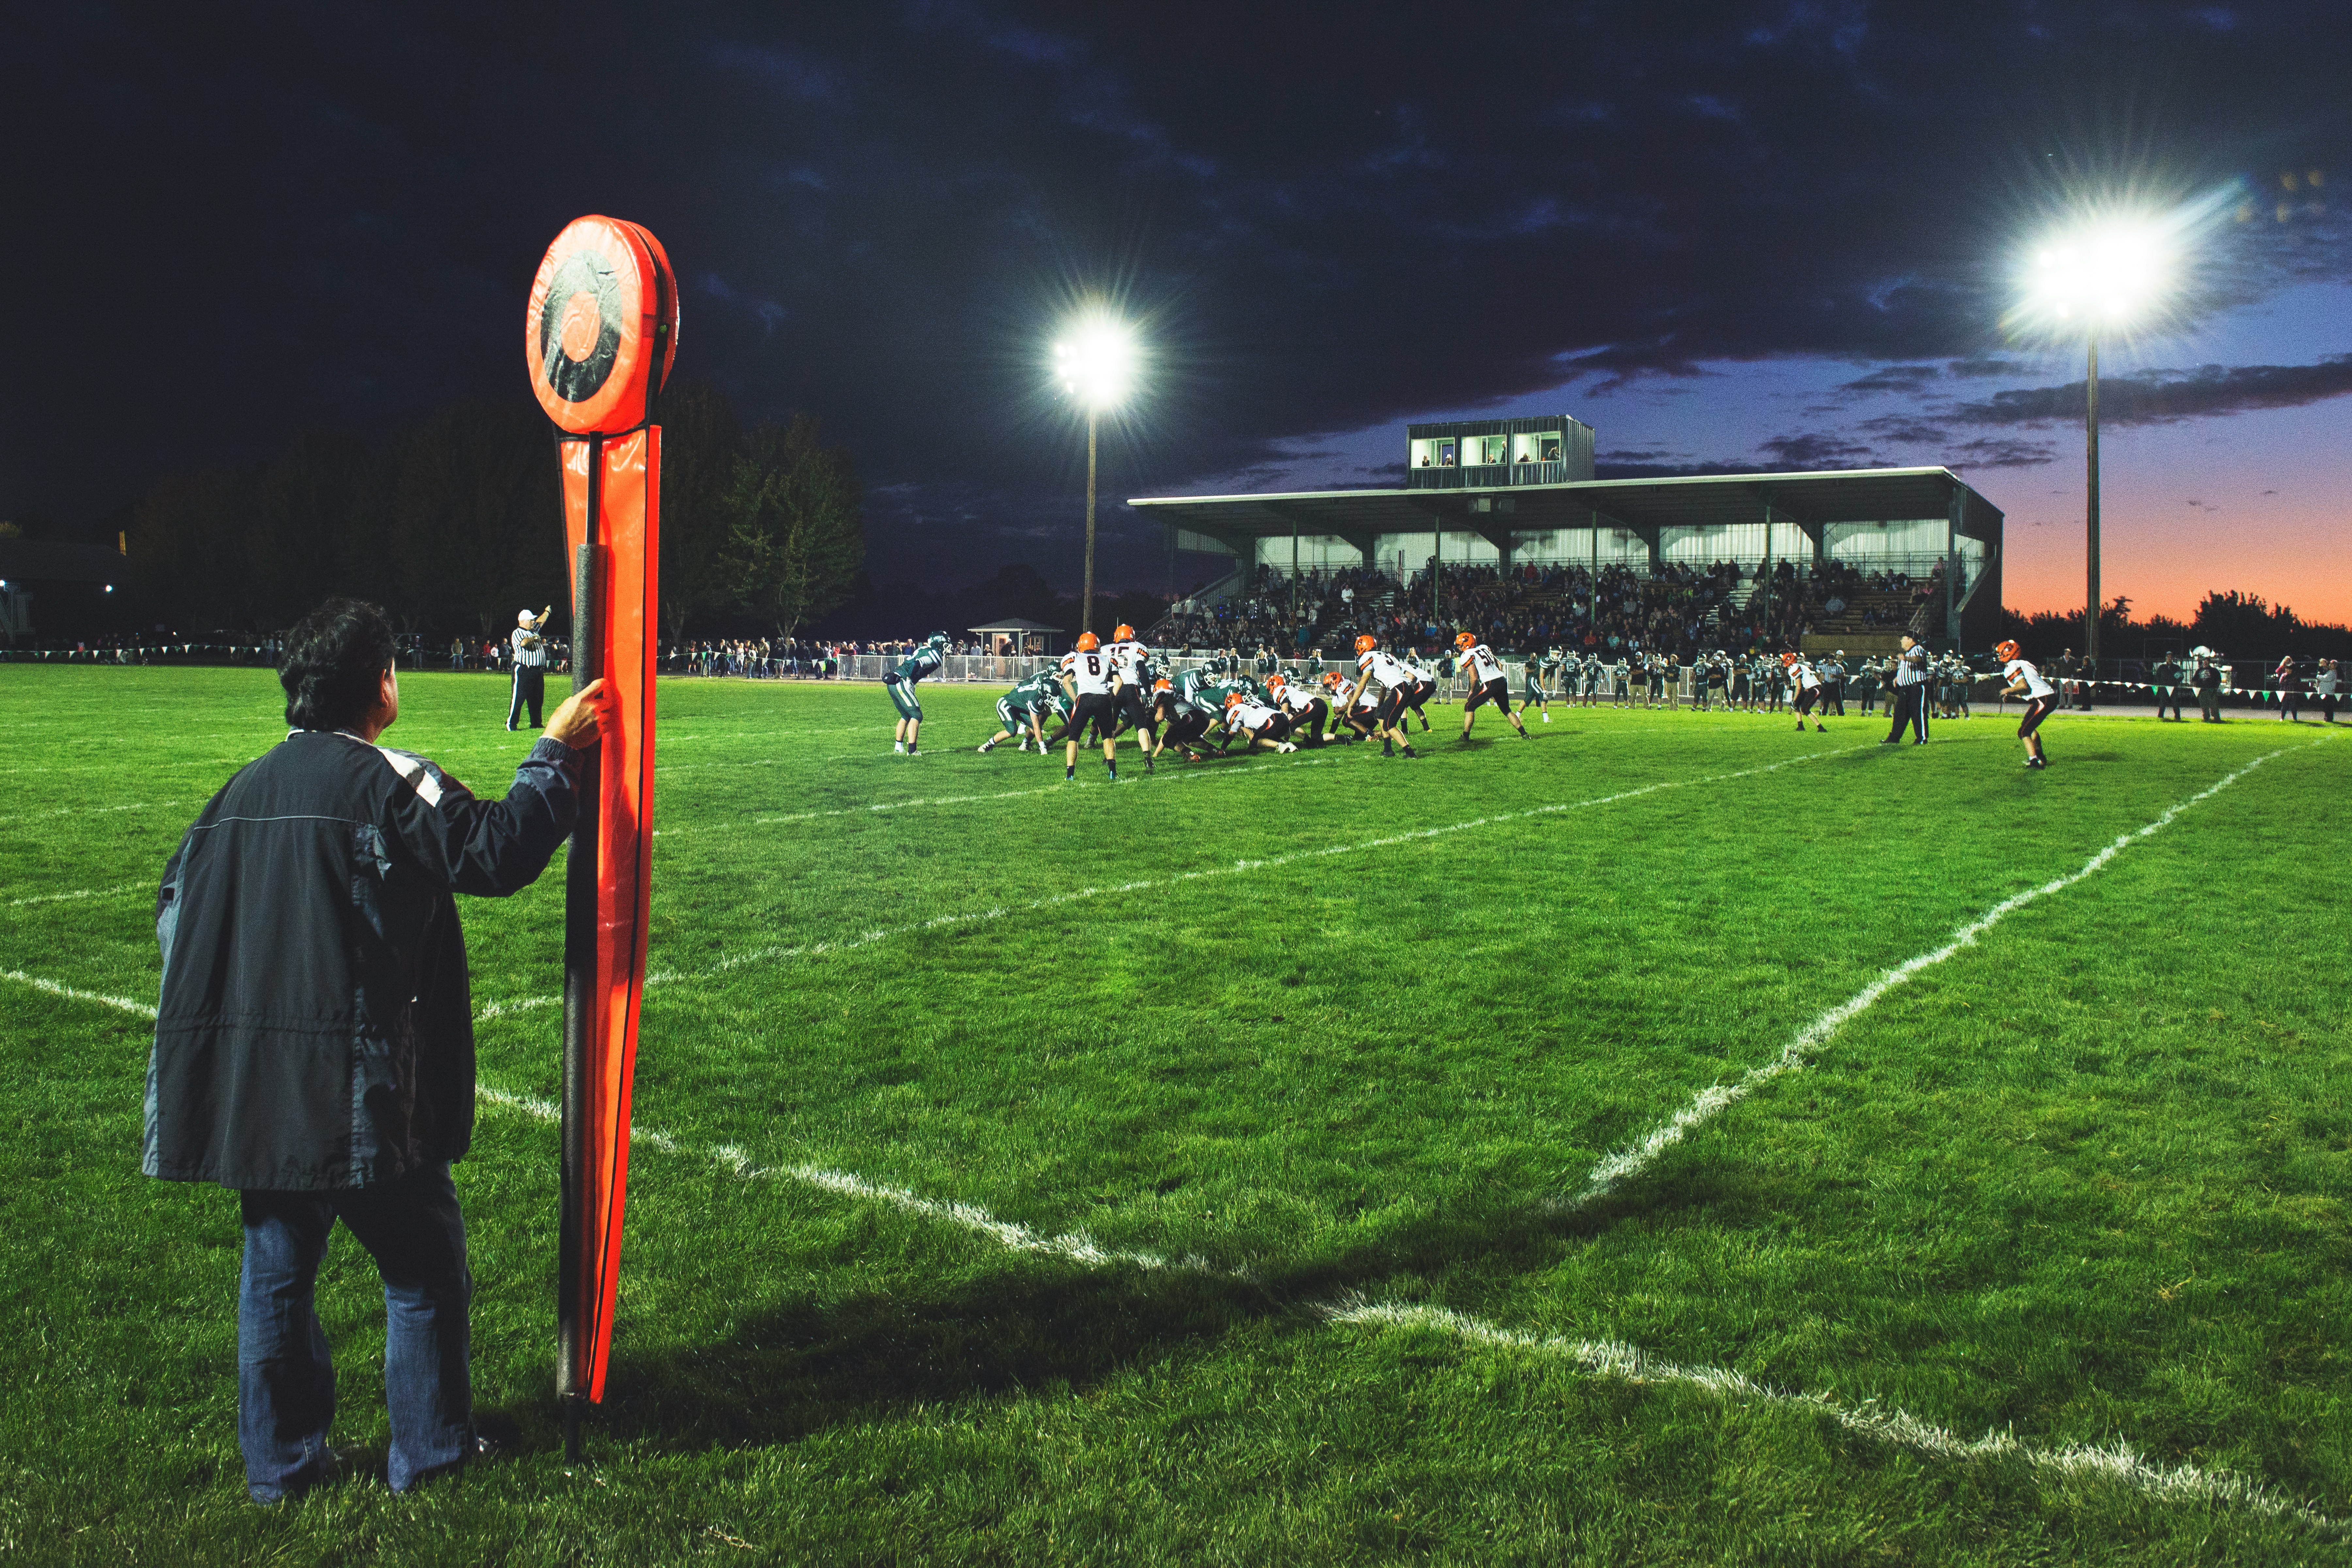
[1603,1358]
[88,811]
[1713,1101]
[82,893]
[1057,787]
[1074,1247]
[1622,1362]
[1149,884]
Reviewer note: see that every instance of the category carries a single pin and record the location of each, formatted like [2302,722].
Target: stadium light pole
[1095,362]
[2095,278]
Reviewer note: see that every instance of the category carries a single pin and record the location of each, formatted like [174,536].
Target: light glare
[1095,361]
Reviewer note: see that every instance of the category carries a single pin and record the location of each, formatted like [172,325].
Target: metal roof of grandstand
[1809,500]
[1014,625]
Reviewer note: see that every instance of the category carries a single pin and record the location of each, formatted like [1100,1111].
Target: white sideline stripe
[87,810]
[1075,1246]
[80,893]
[1056,787]
[1713,1101]
[1149,884]
[120,1004]
[1622,1362]
[1605,1358]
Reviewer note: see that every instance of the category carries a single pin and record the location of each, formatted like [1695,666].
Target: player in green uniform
[1024,711]
[926,660]
[1533,671]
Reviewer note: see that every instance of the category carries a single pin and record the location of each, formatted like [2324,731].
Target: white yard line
[1713,1101]
[82,893]
[1607,1358]
[1058,785]
[86,811]
[120,1004]
[1624,1363]
[1075,1246]
[1149,884]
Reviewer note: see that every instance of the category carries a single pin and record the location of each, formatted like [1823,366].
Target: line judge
[529,667]
[1910,705]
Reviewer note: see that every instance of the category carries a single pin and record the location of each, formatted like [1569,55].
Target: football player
[1487,684]
[1376,667]
[1024,710]
[1307,710]
[1536,696]
[1182,721]
[1808,686]
[924,660]
[1093,684]
[1133,662]
[2040,699]
[1260,724]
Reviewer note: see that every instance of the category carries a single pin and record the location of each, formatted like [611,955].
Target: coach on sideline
[314,1039]
[1910,704]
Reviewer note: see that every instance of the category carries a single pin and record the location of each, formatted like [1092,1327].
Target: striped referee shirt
[1911,668]
[530,653]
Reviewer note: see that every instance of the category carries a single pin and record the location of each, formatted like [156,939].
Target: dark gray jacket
[315,1028]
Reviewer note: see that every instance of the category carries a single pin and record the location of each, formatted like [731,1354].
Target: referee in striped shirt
[1910,704]
[529,668]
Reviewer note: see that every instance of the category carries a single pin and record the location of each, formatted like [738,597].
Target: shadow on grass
[1037,1323]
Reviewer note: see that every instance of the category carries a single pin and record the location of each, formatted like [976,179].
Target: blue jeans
[285,1381]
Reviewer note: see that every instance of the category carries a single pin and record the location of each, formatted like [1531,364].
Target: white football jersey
[1129,658]
[1090,669]
[1802,674]
[2018,669]
[1248,716]
[1384,671]
[1297,699]
[1483,666]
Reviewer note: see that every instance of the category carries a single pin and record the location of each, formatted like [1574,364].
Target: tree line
[458,522]
[2239,624]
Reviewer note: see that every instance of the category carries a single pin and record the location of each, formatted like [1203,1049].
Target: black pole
[2091,511]
[579,994]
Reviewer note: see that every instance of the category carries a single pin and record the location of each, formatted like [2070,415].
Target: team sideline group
[1118,688]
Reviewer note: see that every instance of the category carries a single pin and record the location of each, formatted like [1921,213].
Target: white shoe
[1546,718]
[1286,746]
[900,747]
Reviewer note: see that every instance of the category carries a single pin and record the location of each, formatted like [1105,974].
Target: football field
[1676,1138]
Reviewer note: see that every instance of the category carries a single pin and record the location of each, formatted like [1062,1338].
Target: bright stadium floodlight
[1096,362]
[2097,276]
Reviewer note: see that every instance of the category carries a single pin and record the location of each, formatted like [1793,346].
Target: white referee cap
[522,617]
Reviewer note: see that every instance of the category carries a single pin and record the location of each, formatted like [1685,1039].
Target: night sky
[1735,236]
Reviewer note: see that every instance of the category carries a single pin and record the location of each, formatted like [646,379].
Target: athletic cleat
[987,746]
[1818,729]
[1546,718]
[1410,752]
[898,748]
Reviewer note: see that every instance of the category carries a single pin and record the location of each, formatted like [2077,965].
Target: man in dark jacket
[314,1042]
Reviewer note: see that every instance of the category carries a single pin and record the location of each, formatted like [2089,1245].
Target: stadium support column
[1087,610]
[1952,565]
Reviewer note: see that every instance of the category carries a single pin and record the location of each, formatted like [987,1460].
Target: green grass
[2087,1182]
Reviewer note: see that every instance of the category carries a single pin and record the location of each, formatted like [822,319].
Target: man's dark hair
[335,659]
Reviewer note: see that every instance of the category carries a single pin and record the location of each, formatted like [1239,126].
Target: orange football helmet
[1233,698]
[1786,659]
[2005,649]
[1275,683]
[1124,634]
[1366,642]
[1465,640]
[1088,642]
[1163,684]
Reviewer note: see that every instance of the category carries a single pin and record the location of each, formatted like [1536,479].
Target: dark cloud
[1819,450]
[245,222]
[2167,396]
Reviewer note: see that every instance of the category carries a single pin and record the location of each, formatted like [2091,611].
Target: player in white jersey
[1808,685]
[1133,661]
[1092,681]
[2040,699]
[1376,667]
[1308,711]
[1488,683]
[1257,724]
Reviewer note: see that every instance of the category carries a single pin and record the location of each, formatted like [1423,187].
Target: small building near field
[1014,637]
